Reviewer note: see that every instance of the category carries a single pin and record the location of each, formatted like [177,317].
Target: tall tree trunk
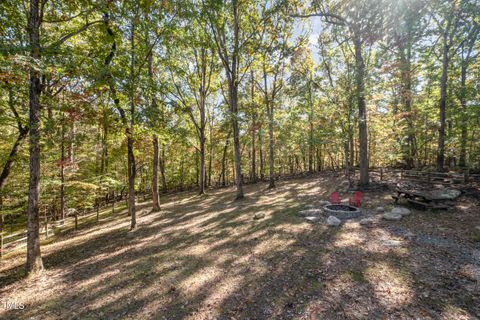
[362,112]
[466,56]
[224,156]
[104,164]
[34,259]
[236,139]
[131,179]
[347,158]
[210,151]
[155,193]
[253,176]
[442,105]
[71,143]
[260,152]
[319,158]
[269,106]
[271,143]
[131,167]
[202,108]
[310,126]
[132,170]
[162,171]
[463,103]
[232,69]
[62,174]
[197,168]
[209,176]
[201,183]
[156,153]
[406,96]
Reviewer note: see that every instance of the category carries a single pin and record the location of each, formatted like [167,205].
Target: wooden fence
[49,227]
[427,177]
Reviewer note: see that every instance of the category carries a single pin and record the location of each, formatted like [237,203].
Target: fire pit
[342,211]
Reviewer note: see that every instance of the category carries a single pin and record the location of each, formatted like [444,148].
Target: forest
[106,102]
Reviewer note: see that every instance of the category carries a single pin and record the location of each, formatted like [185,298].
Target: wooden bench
[427,205]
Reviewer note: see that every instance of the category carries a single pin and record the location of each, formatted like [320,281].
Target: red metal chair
[335,198]
[356,201]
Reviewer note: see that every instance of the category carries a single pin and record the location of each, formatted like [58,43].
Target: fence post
[98,209]
[381,174]
[76,221]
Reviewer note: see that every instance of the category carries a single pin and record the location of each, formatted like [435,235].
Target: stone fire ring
[342,211]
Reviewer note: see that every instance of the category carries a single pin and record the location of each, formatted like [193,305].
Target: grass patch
[358,276]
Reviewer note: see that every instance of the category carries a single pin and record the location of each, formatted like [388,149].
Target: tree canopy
[107,98]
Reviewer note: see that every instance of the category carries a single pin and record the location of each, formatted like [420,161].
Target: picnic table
[425,199]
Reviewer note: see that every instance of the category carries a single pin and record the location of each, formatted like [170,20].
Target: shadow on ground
[206,257]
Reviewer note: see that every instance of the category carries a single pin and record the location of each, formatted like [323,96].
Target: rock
[312,219]
[333,221]
[392,243]
[310,212]
[390,216]
[409,234]
[379,209]
[259,215]
[323,203]
[401,211]
[303,213]
[478,228]
[309,206]
[367,221]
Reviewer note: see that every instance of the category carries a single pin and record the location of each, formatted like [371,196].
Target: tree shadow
[205,257]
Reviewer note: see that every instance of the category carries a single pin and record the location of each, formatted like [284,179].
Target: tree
[232,27]
[303,79]
[363,20]
[274,53]
[448,16]
[467,55]
[22,134]
[192,76]
[34,258]
[404,27]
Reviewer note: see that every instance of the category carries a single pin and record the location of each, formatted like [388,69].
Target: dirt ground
[208,258]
